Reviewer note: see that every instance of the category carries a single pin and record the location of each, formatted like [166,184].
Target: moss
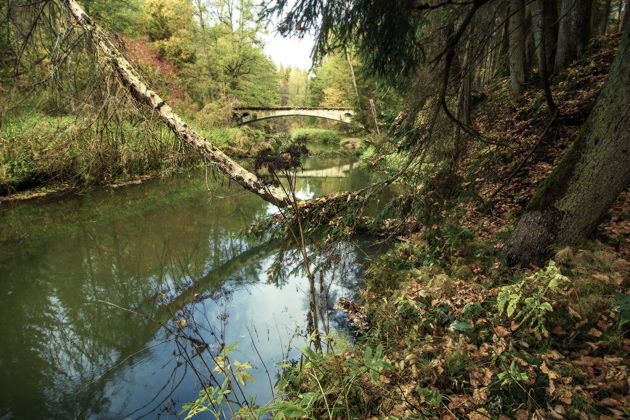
[456,363]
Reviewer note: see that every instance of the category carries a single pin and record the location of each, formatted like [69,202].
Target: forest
[432,220]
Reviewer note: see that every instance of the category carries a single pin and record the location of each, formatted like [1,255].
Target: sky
[294,52]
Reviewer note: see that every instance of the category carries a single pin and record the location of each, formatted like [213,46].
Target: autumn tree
[332,85]
[168,23]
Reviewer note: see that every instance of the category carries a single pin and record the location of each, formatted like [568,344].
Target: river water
[93,287]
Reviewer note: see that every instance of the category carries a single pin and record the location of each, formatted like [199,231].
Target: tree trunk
[584,9]
[466,72]
[545,23]
[501,67]
[600,9]
[624,16]
[602,21]
[143,94]
[531,57]
[570,203]
[573,31]
[517,46]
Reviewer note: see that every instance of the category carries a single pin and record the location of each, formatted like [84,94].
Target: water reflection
[91,287]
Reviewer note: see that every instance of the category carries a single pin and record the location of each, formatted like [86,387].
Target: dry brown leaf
[501,331]
[601,277]
[610,402]
[566,397]
[479,414]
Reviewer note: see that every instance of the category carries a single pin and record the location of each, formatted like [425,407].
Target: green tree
[168,24]
[332,85]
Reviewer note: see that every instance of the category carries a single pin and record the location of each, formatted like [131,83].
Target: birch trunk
[143,94]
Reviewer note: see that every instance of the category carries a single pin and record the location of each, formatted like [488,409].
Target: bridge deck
[289,108]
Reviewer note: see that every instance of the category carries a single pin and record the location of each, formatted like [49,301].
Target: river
[93,287]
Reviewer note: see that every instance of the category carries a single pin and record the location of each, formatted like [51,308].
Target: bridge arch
[248,115]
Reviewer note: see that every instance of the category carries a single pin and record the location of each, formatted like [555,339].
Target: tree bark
[545,17]
[602,23]
[624,16]
[571,202]
[600,9]
[143,94]
[517,46]
[501,67]
[573,31]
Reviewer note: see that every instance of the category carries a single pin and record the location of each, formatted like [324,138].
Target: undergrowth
[483,342]
[317,135]
[446,329]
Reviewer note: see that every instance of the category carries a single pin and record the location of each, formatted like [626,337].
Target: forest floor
[446,329]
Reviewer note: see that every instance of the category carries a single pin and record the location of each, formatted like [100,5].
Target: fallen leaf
[601,277]
[501,331]
[610,402]
[574,313]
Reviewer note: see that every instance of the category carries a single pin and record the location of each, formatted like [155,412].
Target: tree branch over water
[143,94]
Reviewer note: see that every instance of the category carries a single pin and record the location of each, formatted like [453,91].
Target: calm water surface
[92,287]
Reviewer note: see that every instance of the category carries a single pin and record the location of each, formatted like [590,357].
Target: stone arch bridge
[246,115]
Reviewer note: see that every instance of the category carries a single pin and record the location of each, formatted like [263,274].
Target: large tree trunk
[573,31]
[143,94]
[517,46]
[570,203]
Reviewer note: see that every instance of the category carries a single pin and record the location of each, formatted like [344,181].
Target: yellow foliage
[168,23]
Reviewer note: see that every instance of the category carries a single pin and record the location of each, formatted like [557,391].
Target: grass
[316,135]
[39,150]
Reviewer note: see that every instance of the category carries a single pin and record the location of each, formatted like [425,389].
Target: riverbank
[445,329]
[44,156]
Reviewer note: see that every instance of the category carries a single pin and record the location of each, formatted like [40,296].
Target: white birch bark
[143,94]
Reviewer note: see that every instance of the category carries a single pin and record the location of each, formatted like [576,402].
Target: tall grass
[38,150]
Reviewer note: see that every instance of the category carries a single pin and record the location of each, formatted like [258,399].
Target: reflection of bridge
[246,115]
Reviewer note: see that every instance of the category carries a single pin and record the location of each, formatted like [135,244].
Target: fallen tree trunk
[143,94]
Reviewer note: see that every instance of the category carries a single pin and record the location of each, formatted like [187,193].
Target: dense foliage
[65,120]
[498,130]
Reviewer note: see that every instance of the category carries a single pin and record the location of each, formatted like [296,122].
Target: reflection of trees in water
[153,254]
[336,267]
[58,338]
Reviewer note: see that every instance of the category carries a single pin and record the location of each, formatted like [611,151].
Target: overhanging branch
[143,94]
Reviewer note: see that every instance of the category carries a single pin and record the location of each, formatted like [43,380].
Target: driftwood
[143,94]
